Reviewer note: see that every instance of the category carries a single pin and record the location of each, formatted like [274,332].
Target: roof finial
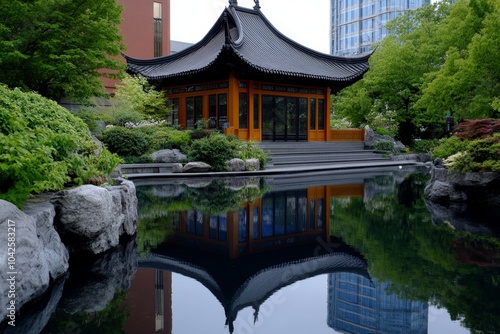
[257,5]
[233,2]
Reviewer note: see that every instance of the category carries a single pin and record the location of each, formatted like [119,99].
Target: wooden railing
[348,135]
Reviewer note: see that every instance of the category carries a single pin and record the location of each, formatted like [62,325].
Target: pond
[344,252]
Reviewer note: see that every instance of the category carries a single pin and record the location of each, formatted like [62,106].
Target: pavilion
[247,79]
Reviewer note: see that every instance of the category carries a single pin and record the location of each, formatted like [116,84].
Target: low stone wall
[448,186]
[86,220]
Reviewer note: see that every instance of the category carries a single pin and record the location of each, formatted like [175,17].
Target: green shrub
[125,142]
[383,132]
[90,118]
[425,145]
[119,116]
[214,150]
[143,159]
[384,145]
[448,147]
[200,133]
[479,155]
[250,150]
[161,137]
[43,147]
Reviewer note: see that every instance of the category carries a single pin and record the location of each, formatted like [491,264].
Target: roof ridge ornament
[233,2]
[257,5]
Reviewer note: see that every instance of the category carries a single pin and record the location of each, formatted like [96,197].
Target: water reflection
[296,229]
[360,305]
[291,254]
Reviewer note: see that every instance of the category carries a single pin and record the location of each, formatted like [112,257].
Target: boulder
[399,146]
[177,168]
[168,156]
[196,167]
[92,219]
[22,261]
[54,251]
[252,164]
[236,165]
[125,205]
[369,136]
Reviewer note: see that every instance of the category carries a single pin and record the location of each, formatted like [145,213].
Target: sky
[306,22]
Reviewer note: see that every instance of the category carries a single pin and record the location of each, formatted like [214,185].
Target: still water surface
[330,253]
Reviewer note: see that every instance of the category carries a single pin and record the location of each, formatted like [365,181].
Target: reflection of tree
[110,320]
[395,234]
[159,206]
[219,198]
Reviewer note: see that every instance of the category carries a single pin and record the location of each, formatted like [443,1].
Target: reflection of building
[279,219]
[362,306]
[245,256]
[149,301]
[358,24]
[247,79]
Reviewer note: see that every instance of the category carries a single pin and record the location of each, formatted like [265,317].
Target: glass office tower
[357,24]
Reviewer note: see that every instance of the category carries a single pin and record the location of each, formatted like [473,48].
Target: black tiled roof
[245,35]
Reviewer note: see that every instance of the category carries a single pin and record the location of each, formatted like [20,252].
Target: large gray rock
[92,219]
[92,285]
[369,136]
[252,164]
[125,205]
[177,168]
[28,270]
[236,165]
[196,167]
[473,188]
[54,250]
[168,156]
[86,219]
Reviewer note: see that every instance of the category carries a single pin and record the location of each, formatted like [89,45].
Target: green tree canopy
[437,59]
[137,94]
[57,47]
[468,82]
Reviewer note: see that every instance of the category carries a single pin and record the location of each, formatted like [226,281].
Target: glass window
[312,114]
[194,110]
[321,114]
[212,111]
[256,111]
[243,110]
[173,105]
[222,106]
[158,29]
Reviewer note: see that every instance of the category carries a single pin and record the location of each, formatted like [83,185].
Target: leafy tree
[397,67]
[57,47]
[137,94]
[468,83]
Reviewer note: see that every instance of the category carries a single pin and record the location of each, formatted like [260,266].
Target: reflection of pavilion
[361,306]
[244,257]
